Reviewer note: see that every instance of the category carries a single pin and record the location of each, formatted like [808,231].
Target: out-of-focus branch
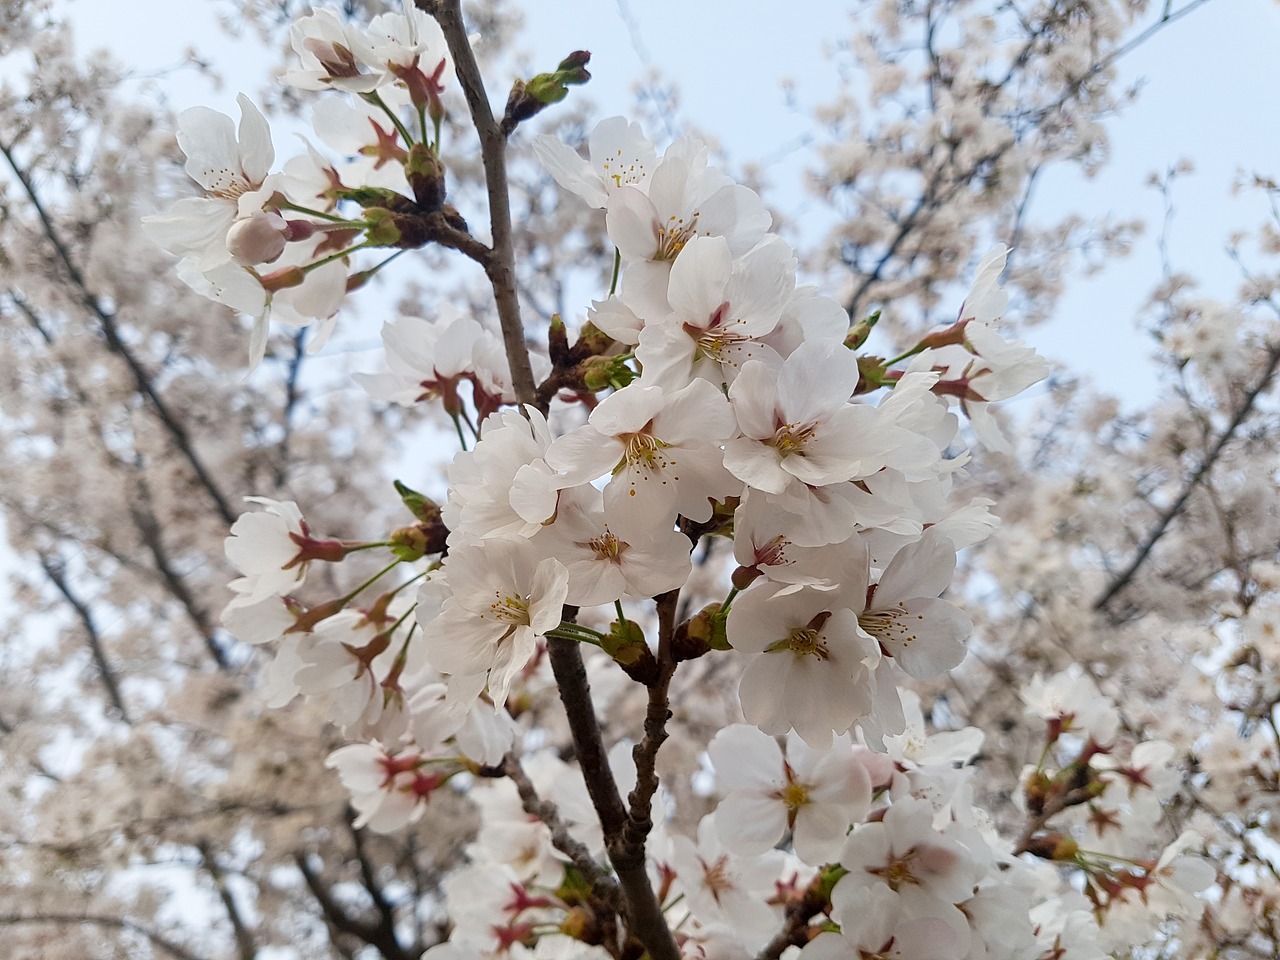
[107,322]
[175,950]
[56,573]
[151,535]
[1243,409]
[245,946]
[368,877]
[340,920]
[144,520]
[499,265]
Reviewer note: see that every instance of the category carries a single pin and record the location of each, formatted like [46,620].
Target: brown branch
[499,264]
[603,886]
[1191,481]
[796,922]
[386,910]
[56,573]
[245,945]
[337,917]
[647,922]
[152,536]
[174,950]
[658,712]
[143,382]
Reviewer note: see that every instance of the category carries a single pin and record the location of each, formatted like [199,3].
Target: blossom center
[806,641]
[890,625]
[716,878]
[791,438]
[674,234]
[229,185]
[620,173]
[510,609]
[642,452]
[607,547]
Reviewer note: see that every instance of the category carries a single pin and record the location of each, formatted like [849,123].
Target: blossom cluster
[713,405]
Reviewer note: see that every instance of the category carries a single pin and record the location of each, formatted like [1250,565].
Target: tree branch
[499,264]
[386,910]
[107,321]
[658,712]
[603,886]
[647,922]
[175,950]
[245,945]
[340,920]
[56,573]
[1191,481]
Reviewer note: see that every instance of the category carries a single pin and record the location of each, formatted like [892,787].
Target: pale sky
[1206,96]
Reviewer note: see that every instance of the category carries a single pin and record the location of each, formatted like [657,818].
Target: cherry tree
[643,668]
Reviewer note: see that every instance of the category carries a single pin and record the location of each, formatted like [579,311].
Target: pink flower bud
[259,238]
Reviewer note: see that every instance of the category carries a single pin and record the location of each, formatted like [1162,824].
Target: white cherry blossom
[618,155]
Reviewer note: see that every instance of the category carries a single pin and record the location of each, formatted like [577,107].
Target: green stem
[728,601]
[457,425]
[335,256]
[575,632]
[371,581]
[466,418]
[376,99]
[903,356]
[367,545]
[617,268]
[416,577]
[330,217]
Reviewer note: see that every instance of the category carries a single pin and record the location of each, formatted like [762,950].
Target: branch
[499,263]
[120,923]
[603,886]
[151,535]
[56,573]
[644,912]
[339,919]
[1192,480]
[658,712]
[386,910]
[107,320]
[245,946]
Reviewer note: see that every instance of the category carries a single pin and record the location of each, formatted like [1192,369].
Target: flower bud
[259,238]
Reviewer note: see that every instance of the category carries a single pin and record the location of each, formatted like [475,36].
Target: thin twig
[107,321]
[604,886]
[56,573]
[175,950]
[245,945]
[1192,480]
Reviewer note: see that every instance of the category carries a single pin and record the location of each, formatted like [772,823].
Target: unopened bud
[599,373]
[858,334]
[528,99]
[1053,846]
[259,238]
[283,279]
[382,230]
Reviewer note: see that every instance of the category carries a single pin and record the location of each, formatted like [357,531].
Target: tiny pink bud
[259,238]
[283,278]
